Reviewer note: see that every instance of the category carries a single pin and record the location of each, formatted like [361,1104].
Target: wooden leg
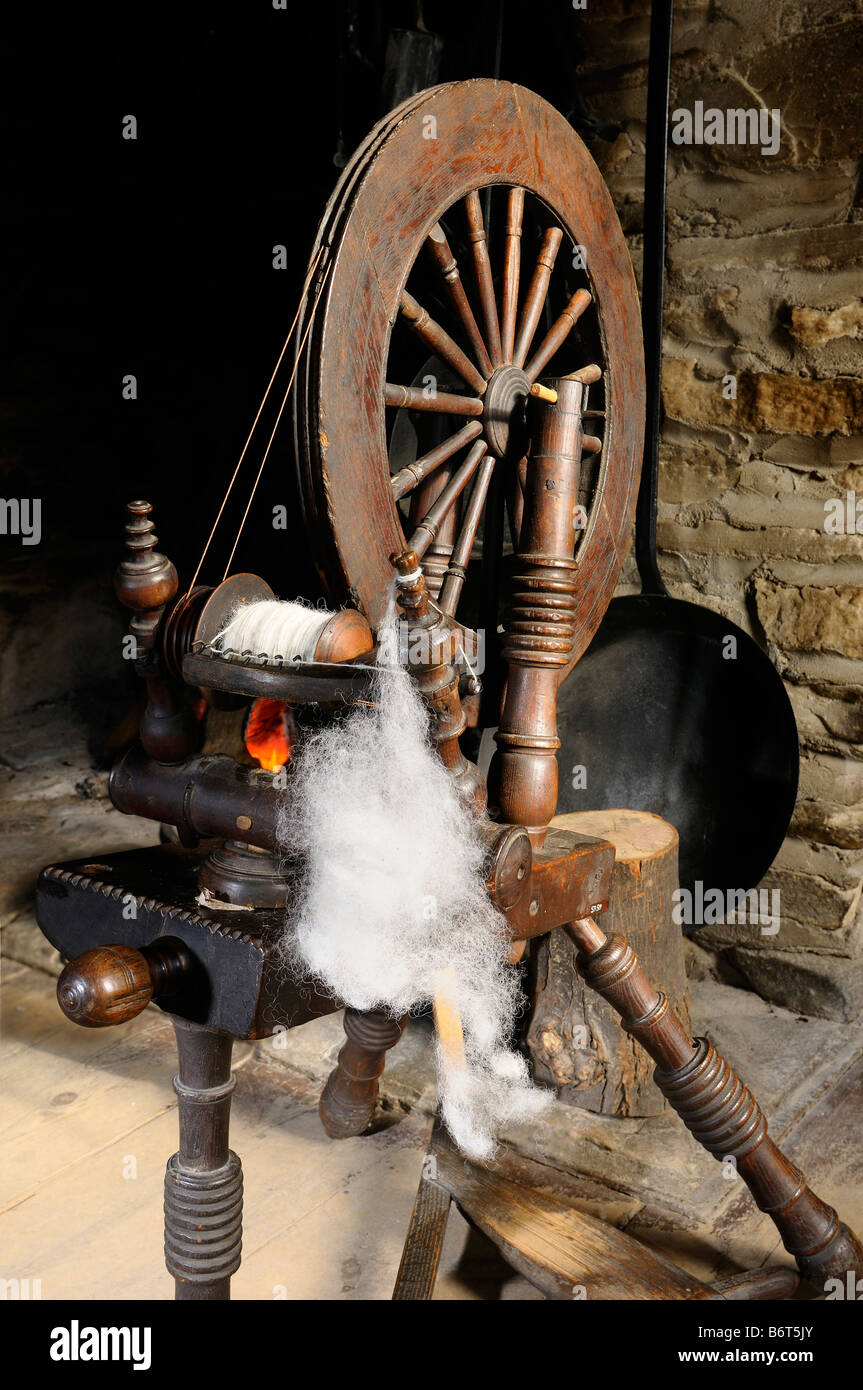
[718,1109]
[204,1179]
[350,1095]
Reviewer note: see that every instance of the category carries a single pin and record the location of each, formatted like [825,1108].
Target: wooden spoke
[428,527]
[406,480]
[558,333]
[440,342]
[448,266]
[457,568]
[511,271]
[485,285]
[536,294]
[433,479]
[587,375]
[439,402]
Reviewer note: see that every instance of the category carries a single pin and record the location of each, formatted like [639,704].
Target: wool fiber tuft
[392,907]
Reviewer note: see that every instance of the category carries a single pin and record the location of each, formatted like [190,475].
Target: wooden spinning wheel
[437,303]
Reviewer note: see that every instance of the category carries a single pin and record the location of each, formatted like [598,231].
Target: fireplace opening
[270,733]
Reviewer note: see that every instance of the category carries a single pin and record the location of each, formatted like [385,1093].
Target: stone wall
[765,286]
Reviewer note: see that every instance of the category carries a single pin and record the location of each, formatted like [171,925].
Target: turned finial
[411,592]
[146,582]
[145,579]
[431,647]
[405,562]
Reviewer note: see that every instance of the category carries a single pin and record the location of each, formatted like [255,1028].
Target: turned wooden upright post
[204,1179]
[540,617]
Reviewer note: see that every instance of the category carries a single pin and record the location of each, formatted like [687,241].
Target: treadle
[564,1252]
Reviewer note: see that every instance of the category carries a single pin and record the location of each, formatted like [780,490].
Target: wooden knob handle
[113,984]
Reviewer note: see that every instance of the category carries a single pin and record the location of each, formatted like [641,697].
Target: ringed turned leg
[717,1108]
[204,1179]
[350,1095]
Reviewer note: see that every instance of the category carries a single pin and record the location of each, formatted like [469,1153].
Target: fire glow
[267,734]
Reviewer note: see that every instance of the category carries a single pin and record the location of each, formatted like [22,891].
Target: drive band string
[308,280]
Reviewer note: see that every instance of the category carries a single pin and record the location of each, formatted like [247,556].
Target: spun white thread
[276,627]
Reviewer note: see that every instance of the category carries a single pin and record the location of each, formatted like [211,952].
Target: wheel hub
[504,415]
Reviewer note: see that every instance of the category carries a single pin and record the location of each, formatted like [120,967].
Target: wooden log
[574,1037]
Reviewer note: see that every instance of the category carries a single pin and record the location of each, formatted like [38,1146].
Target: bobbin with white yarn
[286,631]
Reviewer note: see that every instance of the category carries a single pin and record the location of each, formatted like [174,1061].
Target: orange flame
[267,736]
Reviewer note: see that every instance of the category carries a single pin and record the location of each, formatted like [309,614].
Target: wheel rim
[426,166]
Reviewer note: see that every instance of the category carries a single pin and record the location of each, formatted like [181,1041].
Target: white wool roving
[392,907]
[274,626]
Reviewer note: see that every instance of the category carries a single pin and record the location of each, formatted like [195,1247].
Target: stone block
[810,619]
[803,75]
[840,867]
[834,825]
[814,248]
[706,536]
[834,779]
[846,452]
[828,723]
[818,986]
[776,402]
[811,668]
[751,509]
[819,890]
[692,472]
[814,915]
[726,142]
[814,327]
[702,318]
[813,197]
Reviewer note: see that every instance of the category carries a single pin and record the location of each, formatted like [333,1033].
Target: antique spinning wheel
[469,246]
[393,337]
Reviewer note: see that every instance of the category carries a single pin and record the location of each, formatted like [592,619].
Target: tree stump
[574,1037]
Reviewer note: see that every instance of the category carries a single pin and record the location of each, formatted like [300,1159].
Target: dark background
[154,256]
